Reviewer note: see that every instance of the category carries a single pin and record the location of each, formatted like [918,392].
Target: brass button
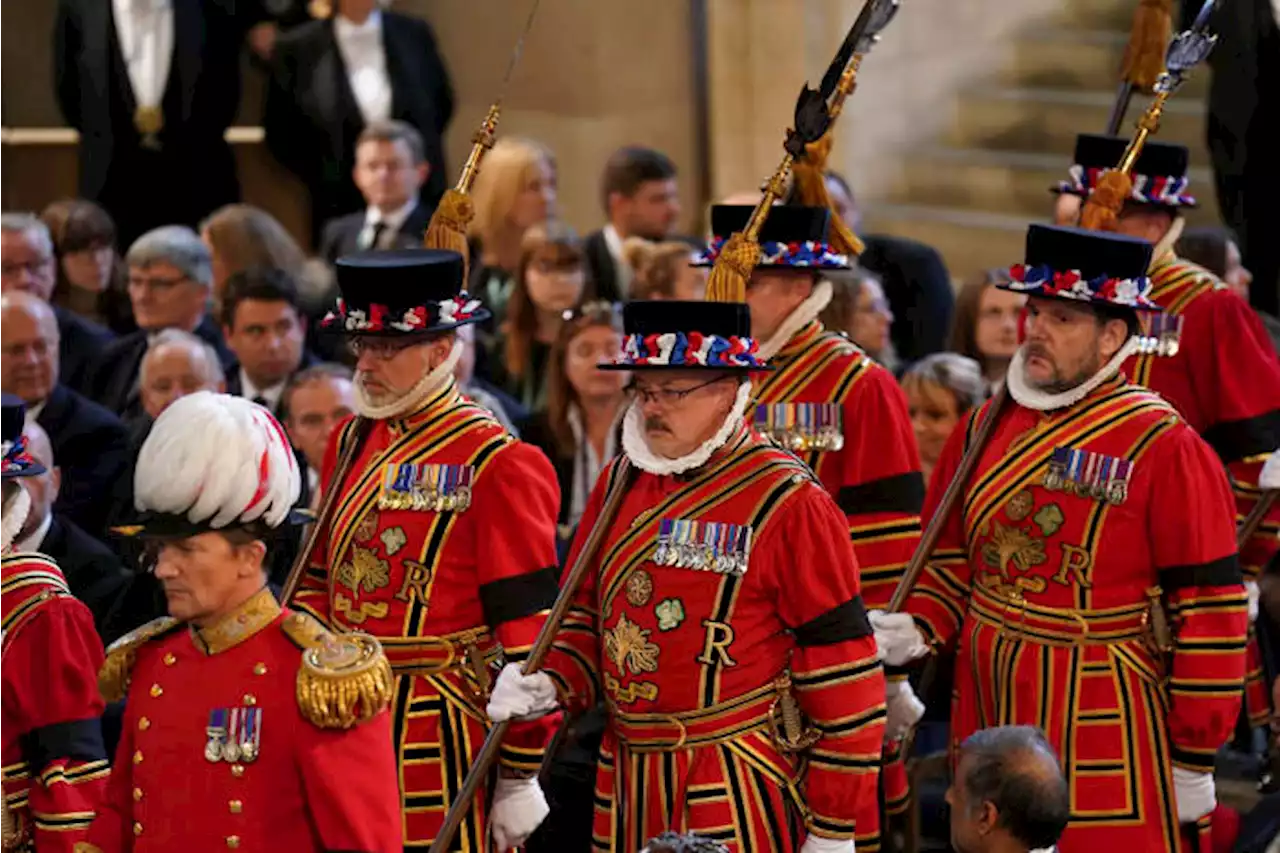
[250,699]
[137,828]
[236,806]
[137,757]
[137,794]
[259,669]
[233,841]
[170,659]
[143,724]
[237,770]
[156,690]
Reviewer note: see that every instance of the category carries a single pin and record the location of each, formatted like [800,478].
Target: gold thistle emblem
[639,588]
[628,646]
[364,571]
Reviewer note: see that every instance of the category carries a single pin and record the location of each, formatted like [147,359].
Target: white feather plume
[219,460]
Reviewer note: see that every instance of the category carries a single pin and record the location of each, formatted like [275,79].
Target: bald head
[28,346]
[43,488]
[177,364]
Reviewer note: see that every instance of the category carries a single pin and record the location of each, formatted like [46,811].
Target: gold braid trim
[449,224]
[344,679]
[113,678]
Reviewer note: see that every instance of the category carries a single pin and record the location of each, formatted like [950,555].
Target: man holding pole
[1088,576]
[441,542]
[720,610]
[1206,352]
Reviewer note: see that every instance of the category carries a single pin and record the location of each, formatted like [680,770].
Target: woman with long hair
[551,277]
[242,237]
[91,275]
[515,191]
[986,324]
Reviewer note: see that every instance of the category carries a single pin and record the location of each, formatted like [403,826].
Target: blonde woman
[515,191]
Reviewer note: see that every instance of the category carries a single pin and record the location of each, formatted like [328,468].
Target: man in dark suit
[390,169]
[27,263]
[90,442]
[640,199]
[152,87]
[330,78]
[170,279]
[264,330]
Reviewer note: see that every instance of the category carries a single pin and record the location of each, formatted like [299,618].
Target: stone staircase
[972,192]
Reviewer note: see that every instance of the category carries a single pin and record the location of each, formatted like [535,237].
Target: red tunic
[823,383]
[55,767]
[309,788]
[448,592]
[1225,381]
[687,657]
[1046,587]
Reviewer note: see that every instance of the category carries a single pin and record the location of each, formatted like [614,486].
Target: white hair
[218,460]
[28,223]
[177,245]
[198,347]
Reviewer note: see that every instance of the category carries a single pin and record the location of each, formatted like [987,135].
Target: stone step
[1010,182]
[970,241]
[1082,59]
[1039,119]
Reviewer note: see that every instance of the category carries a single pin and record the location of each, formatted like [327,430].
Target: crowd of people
[455,432]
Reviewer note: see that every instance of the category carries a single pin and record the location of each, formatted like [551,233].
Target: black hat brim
[34,469]
[168,526]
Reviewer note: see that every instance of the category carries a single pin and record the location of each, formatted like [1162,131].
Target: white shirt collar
[344,28]
[36,539]
[33,412]
[393,220]
[613,242]
[249,391]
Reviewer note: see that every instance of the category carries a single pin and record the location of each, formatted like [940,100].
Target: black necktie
[262,401]
[379,228]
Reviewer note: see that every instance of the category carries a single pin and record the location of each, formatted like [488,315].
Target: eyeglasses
[138,282]
[383,349]
[30,267]
[665,396]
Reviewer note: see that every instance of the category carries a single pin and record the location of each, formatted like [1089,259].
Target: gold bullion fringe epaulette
[344,679]
[113,678]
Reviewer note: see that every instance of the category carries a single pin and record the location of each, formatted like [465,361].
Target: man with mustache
[247,725]
[442,543]
[1207,352]
[1088,577]
[832,405]
[720,619]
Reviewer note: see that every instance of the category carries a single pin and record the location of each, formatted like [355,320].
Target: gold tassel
[449,224]
[732,270]
[1105,202]
[343,681]
[809,175]
[1148,39]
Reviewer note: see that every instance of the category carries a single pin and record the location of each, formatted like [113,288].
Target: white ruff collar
[430,382]
[805,313]
[633,443]
[15,515]
[1165,246]
[1041,401]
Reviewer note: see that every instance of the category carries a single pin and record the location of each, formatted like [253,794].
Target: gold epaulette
[113,678]
[344,679]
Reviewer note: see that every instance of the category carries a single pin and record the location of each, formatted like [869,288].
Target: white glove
[1270,477]
[1195,794]
[818,844]
[521,697]
[1255,595]
[904,709]
[518,808]
[898,640]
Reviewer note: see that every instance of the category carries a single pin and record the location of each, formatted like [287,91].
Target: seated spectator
[941,388]
[90,442]
[912,275]
[1215,249]
[27,263]
[872,318]
[390,170]
[502,405]
[94,574]
[242,237]
[91,274]
[663,271]
[176,364]
[264,329]
[315,402]
[581,427]
[550,280]
[1008,794]
[641,201]
[987,323]
[170,283]
[515,191]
